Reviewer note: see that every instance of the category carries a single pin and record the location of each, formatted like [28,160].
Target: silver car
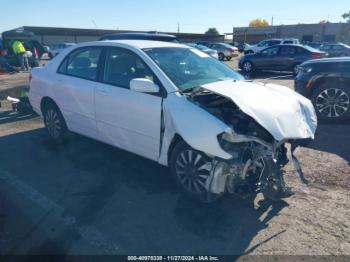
[225,51]
[205,49]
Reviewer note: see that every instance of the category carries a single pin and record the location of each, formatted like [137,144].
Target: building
[331,32]
[55,35]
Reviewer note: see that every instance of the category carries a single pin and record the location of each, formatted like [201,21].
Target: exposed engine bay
[257,158]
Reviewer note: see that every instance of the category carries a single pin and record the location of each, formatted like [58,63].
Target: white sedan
[177,106]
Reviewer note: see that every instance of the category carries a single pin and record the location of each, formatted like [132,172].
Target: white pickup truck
[251,49]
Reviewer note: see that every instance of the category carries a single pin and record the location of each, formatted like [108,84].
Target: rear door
[74,89]
[125,118]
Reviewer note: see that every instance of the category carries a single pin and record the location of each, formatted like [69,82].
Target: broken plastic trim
[297,164]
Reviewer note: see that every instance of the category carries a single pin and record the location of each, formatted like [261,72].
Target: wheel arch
[320,80]
[45,101]
[176,139]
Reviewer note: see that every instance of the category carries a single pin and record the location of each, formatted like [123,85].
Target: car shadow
[333,138]
[90,177]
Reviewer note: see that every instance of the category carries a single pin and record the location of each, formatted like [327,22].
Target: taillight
[316,56]
[232,50]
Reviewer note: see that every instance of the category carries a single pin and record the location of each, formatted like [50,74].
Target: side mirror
[143,85]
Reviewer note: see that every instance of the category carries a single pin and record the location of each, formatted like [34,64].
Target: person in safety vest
[20,52]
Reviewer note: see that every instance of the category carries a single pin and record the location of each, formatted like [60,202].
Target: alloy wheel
[53,123]
[332,102]
[193,171]
[247,67]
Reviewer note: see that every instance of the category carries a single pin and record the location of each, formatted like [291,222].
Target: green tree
[346,16]
[212,31]
[258,23]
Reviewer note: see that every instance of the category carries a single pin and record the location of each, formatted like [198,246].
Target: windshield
[189,68]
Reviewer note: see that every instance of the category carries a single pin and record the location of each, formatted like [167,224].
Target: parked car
[31,45]
[141,36]
[55,50]
[280,58]
[336,50]
[225,51]
[270,42]
[242,46]
[327,83]
[178,107]
[205,49]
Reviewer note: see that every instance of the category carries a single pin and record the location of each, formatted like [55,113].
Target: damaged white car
[173,104]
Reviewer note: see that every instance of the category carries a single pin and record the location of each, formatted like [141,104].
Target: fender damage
[238,124]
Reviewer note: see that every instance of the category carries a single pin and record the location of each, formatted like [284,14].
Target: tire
[54,123]
[221,57]
[51,55]
[187,167]
[228,58]
[247,67]
[296,69]
[332,101]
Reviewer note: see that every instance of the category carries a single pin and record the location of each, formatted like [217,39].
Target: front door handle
[102,92]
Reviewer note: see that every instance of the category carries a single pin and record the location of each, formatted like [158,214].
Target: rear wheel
[221,57]
[296,69]
[54,122]
[332,101]
[191,170]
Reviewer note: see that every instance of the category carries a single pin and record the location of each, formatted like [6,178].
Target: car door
[125,118]
[286,57]
[266,59]
[74,89]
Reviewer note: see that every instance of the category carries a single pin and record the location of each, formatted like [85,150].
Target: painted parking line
[87,233]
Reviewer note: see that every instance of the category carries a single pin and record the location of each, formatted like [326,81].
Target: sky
[193,16]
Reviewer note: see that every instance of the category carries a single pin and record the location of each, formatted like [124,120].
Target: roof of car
[141,44]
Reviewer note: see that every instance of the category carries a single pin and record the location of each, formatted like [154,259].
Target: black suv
[327,83]
[141,36]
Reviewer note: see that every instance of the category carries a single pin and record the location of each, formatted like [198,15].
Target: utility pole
[272,21]
[178,27]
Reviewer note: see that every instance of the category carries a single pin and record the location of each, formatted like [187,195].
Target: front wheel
[332,101]
[191,170]
[247,67]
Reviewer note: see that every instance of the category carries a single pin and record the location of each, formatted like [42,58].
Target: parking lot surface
[85,197]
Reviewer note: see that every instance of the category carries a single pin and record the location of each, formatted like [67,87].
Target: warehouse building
[55,35]
[330,32]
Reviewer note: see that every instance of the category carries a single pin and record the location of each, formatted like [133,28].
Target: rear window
[82,63]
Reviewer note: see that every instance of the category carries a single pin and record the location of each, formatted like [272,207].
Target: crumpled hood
[282,112]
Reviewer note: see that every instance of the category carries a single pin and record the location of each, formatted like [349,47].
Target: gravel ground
[147,215]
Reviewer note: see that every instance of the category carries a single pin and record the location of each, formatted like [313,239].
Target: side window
[263,43]
[270,51]
[337,47]
[82,63]
[325,47]
[122,66]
